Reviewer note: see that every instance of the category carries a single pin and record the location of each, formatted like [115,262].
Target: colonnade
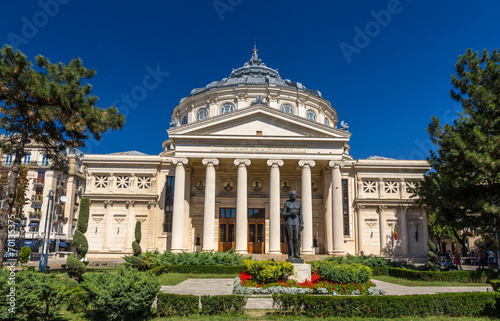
[334,211]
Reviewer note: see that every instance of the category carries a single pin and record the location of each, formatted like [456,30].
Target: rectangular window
[345,206]
[230,234]
[222,237]
[256,213]
[169,204]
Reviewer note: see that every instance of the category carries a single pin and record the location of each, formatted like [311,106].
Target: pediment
[255,121]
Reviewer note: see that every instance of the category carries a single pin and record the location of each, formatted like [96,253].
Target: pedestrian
[491,258]
[457,260]
[481,253]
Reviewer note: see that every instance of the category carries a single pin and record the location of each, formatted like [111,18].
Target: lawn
[405,282]
[176,278]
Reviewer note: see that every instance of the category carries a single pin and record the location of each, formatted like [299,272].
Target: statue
[294,224]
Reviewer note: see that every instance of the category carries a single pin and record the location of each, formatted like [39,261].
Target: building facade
[236,148]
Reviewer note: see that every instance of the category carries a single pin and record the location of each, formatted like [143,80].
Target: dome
[255,73]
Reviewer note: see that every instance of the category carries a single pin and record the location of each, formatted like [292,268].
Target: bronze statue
[294,224]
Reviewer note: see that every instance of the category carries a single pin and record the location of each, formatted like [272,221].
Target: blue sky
[384,65]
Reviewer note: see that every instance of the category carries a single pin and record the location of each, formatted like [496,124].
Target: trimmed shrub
[83,216]
[268,271]
[136,248]
[223,304]
[24,255]
[452,276]
[342,273]
[367,260]
[450,304]
[205,269]
[38,296]
[81,244]
[77,300]
[174,305]
[137,232]
[125,295]
[75,267]
[495,284]
[202,258]
[158,270]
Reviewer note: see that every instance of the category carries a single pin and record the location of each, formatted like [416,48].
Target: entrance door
[227,223]
[256,224]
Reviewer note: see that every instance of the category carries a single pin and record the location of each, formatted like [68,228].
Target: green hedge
[450,304]
[205,269]
[341,273]
[268,271]
[495,284]
[172,305]
[223,304]
[450,276]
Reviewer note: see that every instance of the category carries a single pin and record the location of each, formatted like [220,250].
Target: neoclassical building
[236,148]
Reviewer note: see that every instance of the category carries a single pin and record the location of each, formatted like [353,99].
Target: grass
[176,278]
[405,282]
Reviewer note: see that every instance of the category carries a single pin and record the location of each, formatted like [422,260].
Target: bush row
[452,276]
[205,269]
[334,272]
[172,305]
[450,304]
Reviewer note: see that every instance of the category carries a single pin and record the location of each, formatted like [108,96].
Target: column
[151,238]
[69,207]
[403,233]
[327,195]
[361,245]
[209,211]
[274,206]
[242,206]
[178,212]
[382,229]
[307,233]
[130,236]
[108,221]
[338,216]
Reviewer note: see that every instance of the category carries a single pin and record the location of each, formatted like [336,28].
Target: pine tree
[49,105]
[79,240]
[464,187]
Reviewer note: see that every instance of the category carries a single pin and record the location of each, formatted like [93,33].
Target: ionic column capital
[242,161]
[304,162]
[180,161]
[213,161]
[334,164]
[277,162]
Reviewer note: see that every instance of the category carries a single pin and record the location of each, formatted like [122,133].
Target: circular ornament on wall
[286,186]
[228,184]
[200,184]
[257,185]
[314,187]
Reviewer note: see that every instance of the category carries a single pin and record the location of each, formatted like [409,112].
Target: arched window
[327,122]
[226,108]
[184,120]
[45,160]
[202,114]
[287,109]
[27,159]
[310,115]
[8,160]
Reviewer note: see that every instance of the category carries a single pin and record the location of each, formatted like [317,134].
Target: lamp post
[46,234]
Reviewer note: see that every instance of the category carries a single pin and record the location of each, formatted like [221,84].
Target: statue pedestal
[301,272]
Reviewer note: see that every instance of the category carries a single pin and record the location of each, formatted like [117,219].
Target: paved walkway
[225,286]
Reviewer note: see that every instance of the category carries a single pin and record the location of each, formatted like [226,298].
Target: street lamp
[46,235]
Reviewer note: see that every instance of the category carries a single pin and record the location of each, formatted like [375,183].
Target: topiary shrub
[75,267]
[495,284]
[83,216]
[80,243]
[268,271]
[136,248]
[24,256]
[125,295]
[342,273]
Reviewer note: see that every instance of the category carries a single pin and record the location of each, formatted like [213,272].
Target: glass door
[227,222]
[256,224]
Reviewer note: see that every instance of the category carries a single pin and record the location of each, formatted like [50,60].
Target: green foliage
[83,216]
[223,304]
[150,260]
[173,305]
[133,261]
[268,271]
[137,232]
[342,273]
[450,304]
[24,256]
[80,243]
[75,267]
[205,269]
[367,260]
[156,271]
[124,295]
[136,248]
[38,296]
[466,164]
[495,284]
[77,300]
[455,276]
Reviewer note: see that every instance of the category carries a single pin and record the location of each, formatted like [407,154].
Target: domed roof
[255,73]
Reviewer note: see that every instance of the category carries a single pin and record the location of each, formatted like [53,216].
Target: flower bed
[244,284]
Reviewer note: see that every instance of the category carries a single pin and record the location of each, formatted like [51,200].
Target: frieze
[258,149]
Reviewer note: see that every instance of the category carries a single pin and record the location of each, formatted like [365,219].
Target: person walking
[457,260]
